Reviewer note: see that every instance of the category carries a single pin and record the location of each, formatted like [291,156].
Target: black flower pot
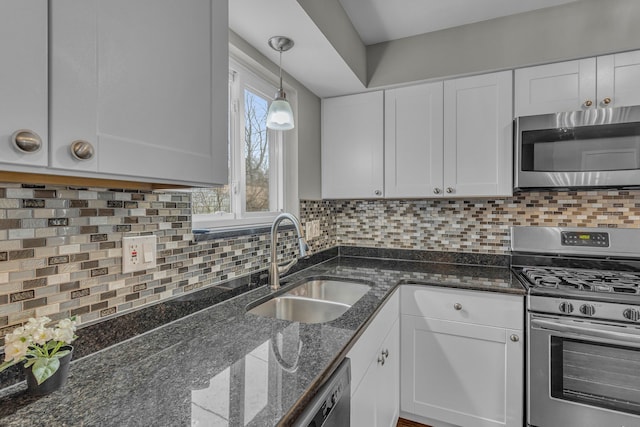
[55,381]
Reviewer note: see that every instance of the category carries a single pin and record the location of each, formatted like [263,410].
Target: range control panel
[586,238]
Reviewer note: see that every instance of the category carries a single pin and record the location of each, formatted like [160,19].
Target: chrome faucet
[275,270]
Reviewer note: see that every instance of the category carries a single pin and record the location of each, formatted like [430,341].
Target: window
[255,193]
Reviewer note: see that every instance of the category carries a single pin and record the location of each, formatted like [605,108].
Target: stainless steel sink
[313,301]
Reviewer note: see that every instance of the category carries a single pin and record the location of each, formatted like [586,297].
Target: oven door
[582,373]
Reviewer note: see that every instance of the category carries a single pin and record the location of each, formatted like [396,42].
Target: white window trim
[262,82]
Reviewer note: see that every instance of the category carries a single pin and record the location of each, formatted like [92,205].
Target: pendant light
[280,115]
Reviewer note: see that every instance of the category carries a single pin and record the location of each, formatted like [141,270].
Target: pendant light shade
[280,115]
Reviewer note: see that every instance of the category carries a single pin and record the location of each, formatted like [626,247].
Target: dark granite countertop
[223,366]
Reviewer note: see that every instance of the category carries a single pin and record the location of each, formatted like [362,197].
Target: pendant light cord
[280,69]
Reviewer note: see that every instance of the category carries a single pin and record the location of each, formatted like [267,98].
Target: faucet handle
[304,248]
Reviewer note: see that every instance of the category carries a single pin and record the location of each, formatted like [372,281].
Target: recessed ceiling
[383,20]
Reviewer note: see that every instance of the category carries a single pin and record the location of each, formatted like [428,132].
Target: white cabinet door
[458,373]
[375,376]
[413,141]
[353,146]
[23,78]
[388,387]
[565,86]
[618,77]
[375,400]
[145,82]
[478,135]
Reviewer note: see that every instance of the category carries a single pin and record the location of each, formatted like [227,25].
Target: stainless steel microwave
[597,148]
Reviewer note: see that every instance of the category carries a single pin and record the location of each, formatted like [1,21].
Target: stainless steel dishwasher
[331,406]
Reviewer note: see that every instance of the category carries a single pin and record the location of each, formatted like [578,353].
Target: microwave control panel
[575,238]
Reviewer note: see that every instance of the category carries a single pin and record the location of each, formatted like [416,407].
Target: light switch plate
[139,253]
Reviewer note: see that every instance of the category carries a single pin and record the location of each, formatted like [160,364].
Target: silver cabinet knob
[457,306]
[385,353]
[449,190]
[606,101]
[26,141]
[377,193]
[436,190]
[381,360]
[82,150]
[515,338]
[588,103]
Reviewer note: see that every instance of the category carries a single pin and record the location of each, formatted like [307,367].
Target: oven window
[605,376]
[612,147]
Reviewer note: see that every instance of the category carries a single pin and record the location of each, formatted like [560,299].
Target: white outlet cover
[139,253]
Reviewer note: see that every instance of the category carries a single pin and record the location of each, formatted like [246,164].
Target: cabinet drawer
[367,345]
[482,308]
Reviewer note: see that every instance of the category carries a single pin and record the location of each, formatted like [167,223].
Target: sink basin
[331,290]
[305,310]
[313,301]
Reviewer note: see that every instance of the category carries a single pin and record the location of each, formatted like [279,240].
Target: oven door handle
[590,332]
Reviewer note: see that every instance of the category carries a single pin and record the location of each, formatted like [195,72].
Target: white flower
[15,350]
[35,324]
[42,335]
[64,331]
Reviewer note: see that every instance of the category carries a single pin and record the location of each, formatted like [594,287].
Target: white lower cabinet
[375,361]
[461,357]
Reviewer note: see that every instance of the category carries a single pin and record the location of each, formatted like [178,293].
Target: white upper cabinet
[413,140]
[145,84]
[618,79]
[23,81]
[605,81]
[565,86]
[353,146]
[478,136]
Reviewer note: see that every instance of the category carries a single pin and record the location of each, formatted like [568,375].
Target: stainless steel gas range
[583,324]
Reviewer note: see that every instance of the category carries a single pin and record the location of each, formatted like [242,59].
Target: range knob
[565,307]
[587,309]
[631,314]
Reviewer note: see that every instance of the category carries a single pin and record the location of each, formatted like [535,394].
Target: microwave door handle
[590,332]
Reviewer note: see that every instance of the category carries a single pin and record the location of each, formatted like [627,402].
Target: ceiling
[383,20]
[318,65]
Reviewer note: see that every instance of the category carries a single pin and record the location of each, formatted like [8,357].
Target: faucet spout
[275,270]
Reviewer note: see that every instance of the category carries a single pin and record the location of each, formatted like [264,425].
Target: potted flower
[45,351]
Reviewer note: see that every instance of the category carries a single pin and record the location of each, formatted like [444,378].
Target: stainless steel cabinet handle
[436,190]
[588,103]
[449,190]
[381,360]
[377,192]
[515,338]
[606,101]
[82,150]
[385,353]
[457,306]
[26,141]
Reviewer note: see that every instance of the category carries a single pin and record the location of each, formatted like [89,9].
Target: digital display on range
[595,239]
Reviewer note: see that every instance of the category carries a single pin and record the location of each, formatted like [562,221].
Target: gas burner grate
[619,282]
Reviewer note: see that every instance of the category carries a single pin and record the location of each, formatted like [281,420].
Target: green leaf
[44,368]
[62,353]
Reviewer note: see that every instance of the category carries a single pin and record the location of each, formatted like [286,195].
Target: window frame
[242,77]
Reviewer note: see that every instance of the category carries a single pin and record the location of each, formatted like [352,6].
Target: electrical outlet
[138,253]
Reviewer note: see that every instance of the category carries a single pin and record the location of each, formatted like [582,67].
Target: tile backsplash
[476,225]
[61,252]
